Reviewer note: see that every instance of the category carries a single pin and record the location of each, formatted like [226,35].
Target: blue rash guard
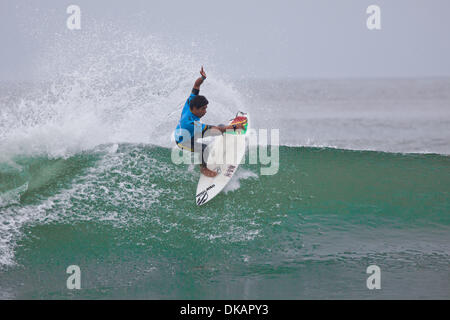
[189,122]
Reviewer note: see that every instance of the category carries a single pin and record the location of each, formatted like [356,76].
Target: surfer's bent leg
[195,147]
[200,148]
[203,167]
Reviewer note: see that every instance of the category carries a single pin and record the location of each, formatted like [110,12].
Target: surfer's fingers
[202,72]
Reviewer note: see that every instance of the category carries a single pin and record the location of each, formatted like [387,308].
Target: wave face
[86,179]
[127,216]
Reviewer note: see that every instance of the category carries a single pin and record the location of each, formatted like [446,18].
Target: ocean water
[86,179]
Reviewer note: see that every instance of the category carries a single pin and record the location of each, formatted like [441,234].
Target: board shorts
[194,147]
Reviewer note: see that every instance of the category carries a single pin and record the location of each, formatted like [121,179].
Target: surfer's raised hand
[202,72]
[200,80]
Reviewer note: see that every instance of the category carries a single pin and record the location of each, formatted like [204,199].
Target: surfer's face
[200,112]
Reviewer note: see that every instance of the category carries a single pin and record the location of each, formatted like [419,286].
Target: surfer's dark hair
[198,102]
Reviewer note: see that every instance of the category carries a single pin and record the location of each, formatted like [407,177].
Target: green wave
[311,180]
[130,221]
[351,184]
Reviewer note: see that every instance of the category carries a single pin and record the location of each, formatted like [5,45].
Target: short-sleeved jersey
[189,121]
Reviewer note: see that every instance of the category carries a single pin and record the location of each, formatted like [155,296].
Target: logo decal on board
[202,197]
[230,171]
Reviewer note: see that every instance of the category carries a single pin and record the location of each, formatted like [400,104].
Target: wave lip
[127,88]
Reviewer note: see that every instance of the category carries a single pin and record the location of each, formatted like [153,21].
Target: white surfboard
[225,155]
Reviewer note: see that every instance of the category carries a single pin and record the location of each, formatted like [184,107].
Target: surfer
[193,110]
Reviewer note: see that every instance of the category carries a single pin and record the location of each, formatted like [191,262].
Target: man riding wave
[189,128]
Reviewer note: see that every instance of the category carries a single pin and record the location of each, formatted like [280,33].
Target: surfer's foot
[205,171]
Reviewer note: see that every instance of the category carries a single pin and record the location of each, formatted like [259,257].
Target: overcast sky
[302,38]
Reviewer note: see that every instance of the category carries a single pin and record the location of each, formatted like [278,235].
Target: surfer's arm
[200,80]
[198,83]
[216,130]
[222,129]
